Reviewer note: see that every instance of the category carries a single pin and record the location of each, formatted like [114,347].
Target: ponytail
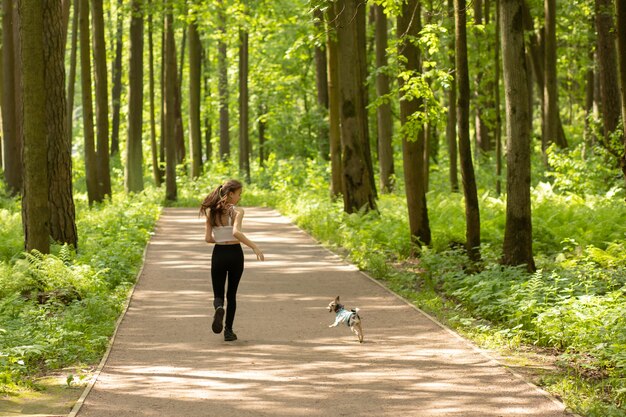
[216,204]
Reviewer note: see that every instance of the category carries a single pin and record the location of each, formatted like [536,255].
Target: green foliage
[60,309]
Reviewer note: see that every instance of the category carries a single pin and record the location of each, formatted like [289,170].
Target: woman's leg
[219,269]
[235,271]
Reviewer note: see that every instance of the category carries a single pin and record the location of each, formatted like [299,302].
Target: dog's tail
[356,310]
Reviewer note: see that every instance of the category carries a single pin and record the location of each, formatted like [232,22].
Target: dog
[350,317]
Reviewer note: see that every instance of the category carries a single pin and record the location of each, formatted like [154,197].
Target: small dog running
[349,317]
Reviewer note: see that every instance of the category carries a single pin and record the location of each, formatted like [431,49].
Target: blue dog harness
[344,316]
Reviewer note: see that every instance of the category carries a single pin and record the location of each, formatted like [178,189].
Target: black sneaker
[218,318]
[229,335]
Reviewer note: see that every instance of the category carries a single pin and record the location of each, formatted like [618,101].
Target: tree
[334,130]
[621,53]
[451,119]
[116,92]
[133,178]
[102,100]
[408,28]
[11,137]
[607,67]
[517,247]
[472,214]
[169,92]
[550,93]
[383,111]
[59,146]
[71,83]
[156,170]
[222,85]
[35,214]
[94,192]
[321,81]
[195,71]
[244,135]
[484,140]
[356,166]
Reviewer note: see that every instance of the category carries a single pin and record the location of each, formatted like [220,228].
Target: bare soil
[167,362]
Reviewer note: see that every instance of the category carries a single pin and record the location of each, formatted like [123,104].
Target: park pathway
[166,361]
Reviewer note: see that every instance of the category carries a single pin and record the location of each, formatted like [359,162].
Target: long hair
[216,205]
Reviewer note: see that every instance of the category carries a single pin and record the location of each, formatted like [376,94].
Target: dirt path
[166,361]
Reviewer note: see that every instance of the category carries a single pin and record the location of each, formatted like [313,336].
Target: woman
[223,227]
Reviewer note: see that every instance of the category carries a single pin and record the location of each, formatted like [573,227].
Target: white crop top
[224,233]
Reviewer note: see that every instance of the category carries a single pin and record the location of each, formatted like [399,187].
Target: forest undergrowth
[59,310]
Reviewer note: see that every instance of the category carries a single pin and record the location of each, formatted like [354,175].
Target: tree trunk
[116,92]
[35,212]
[496,86]
[321,81]
[550,92]
[383,112]
[156,170]
[222,85]
[169,92]
[11,137]
[607,66]
[60,199]
[94,192]
[334,132]
[472,215]
[536,55]
[102,101]
[244,136]
[71,83]
[195,89]
[133,178]
[484,140]
[517,247]
[451,120]
[261,128]
[409,26]
[208,127]
[621,53]
[357,172]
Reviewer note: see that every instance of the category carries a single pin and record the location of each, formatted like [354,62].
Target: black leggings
[227,260]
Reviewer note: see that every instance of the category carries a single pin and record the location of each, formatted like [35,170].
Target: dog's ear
[337,300]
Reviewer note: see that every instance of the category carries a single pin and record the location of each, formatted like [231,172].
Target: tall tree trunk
[208,126]
[71,83]
[262,127]
[517,247]
[536,55]
[383,112]
[169,92]
[621,53]
[35,212]
[156,170]
[94,192]
[451,120]
[357,172]
[244,135]
[484,140]
[334,131]
[102,101]
[222,85]
[11,137]
[116,92]
[195,89]
[60,199]
[321,81]
[133,178]
[496,86]
[472,214]
[408,27]
[607,66]
[550,92]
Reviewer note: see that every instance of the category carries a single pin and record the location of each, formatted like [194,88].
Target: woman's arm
[238,234]
[208,231]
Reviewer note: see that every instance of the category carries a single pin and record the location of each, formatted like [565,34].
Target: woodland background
[469,154]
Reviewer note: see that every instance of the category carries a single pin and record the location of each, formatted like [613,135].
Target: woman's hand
[258,253]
